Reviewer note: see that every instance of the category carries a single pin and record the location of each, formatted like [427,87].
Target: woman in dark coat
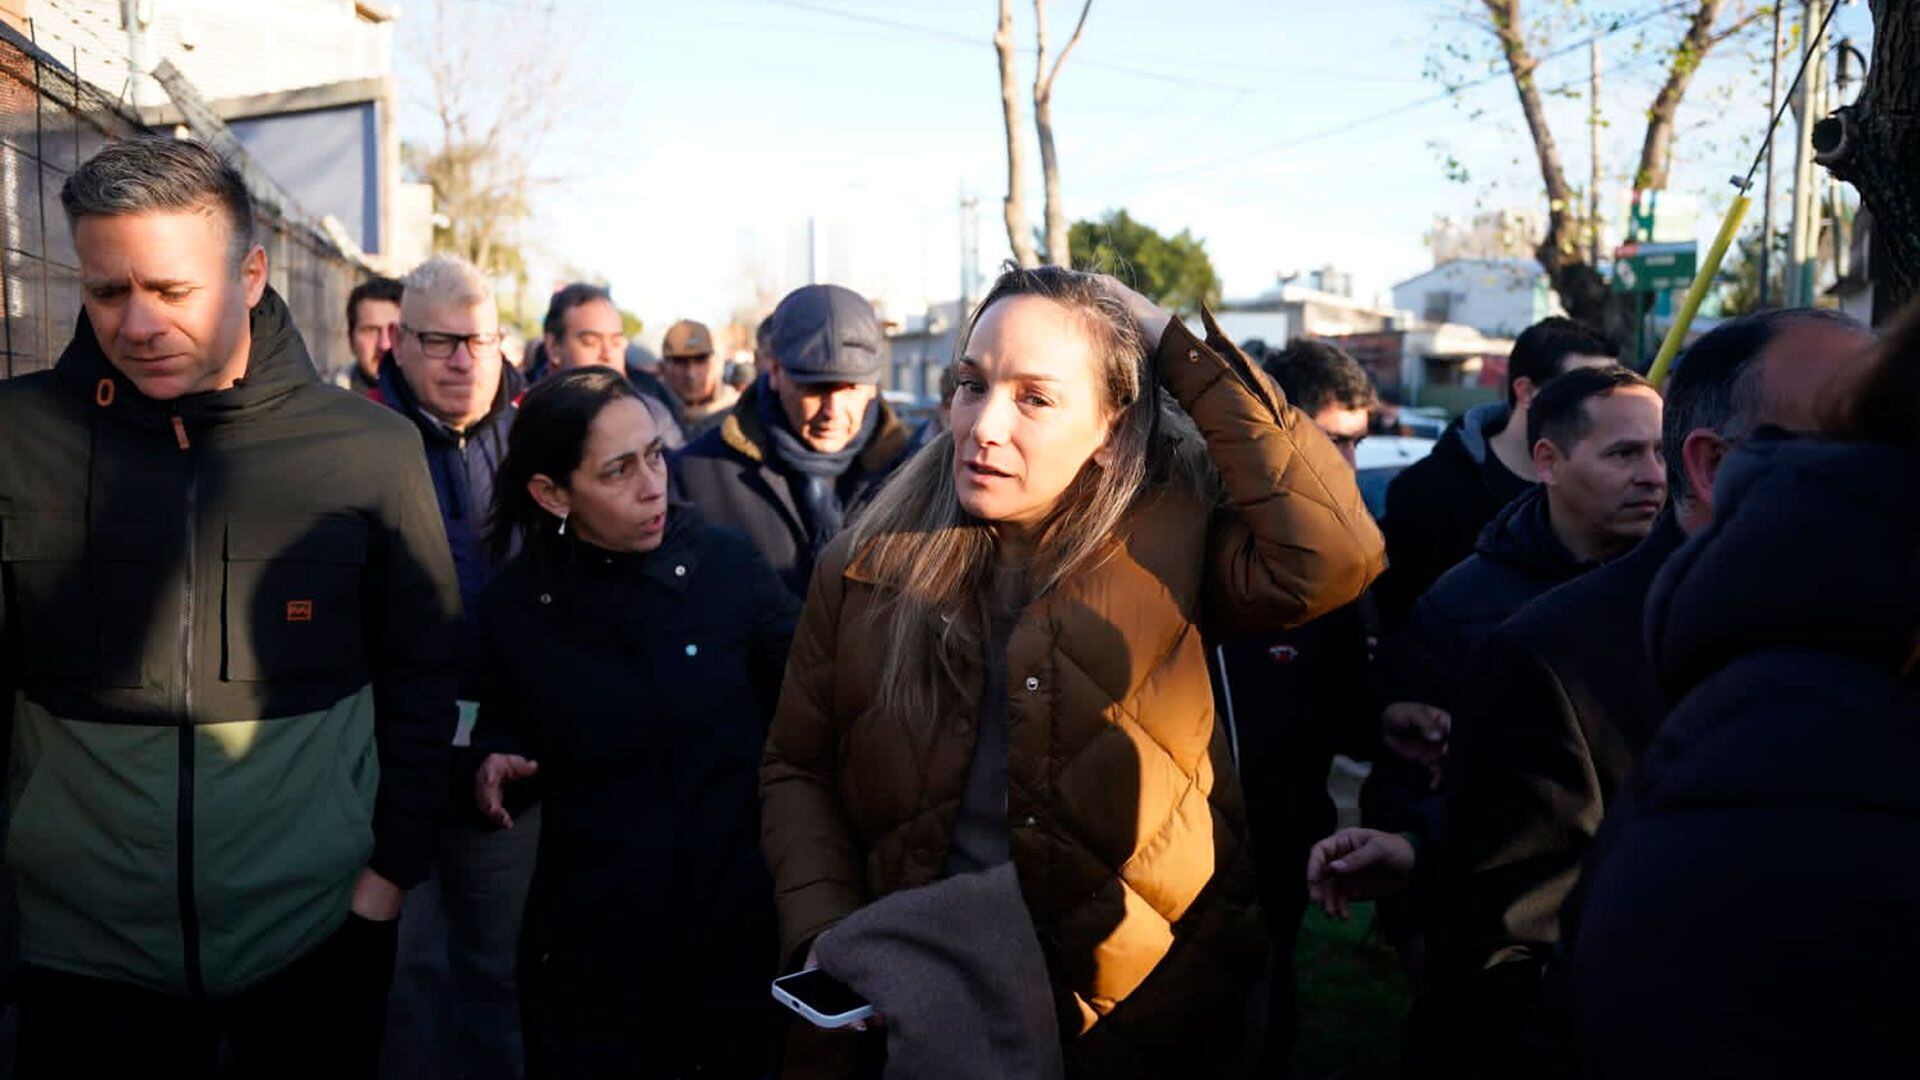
[633,657]
[1754,909]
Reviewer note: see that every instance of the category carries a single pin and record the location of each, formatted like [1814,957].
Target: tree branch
[1044,91]
[1656,150]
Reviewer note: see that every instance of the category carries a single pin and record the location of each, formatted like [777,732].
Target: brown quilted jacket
[1127,822]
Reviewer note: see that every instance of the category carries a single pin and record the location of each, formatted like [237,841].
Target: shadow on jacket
[1562,700]
[642,685]
[1517,558]
[1751,908]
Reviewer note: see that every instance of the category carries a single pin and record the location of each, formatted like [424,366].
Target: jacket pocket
[293,598]
[84,595]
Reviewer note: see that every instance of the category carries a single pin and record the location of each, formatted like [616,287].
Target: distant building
[1490,234]
[920,347]
[1445,364]
[1288,311]
[306,86]
[1499,297]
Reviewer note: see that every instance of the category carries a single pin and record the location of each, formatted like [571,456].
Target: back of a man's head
[1317,375]
[1718,385]
[150,175]
[1545,350]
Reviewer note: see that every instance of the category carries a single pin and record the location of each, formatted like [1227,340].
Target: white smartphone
[821,999]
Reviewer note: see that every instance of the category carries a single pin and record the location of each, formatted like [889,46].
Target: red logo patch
[299,611]
[1283,654]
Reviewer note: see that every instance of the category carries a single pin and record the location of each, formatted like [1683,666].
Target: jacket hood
[394,391]
[277,365]
[1467,437]
[743,431]
[1815,545]
[1521,535]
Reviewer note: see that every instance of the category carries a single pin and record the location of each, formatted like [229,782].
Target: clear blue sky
[1243,120]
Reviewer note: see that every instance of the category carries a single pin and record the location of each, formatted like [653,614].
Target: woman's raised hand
[1357,864]
[1150,317]
[489,784]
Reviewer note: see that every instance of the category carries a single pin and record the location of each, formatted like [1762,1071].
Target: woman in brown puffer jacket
[1002,660]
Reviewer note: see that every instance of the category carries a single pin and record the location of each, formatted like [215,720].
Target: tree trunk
[1874,144]
[1043,79]
[1019,233]
[1583,291]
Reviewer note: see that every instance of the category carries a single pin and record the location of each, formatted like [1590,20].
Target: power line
[1448,94]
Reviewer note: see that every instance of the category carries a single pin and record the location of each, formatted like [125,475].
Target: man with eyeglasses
[453,1004]
[583,328]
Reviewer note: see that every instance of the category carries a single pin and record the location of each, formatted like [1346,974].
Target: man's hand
[1418,733]
[1357,864]
[1147,315]
[490,781]
[375,898]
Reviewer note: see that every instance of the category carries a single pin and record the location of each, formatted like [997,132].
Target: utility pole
[969,251]
[1766,205]
[1805,241]
[1593,124]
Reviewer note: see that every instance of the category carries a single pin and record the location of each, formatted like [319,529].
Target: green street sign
[1655,267]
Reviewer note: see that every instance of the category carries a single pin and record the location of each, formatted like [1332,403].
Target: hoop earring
[563,524]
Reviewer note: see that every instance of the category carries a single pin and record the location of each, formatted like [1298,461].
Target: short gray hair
[1717,383]
[148,174]
[445,279]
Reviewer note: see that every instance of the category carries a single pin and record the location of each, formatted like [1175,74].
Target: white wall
[1494,297]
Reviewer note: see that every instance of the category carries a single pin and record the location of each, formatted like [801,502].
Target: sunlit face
[826,416]
[616,498]
[592,335]
[693,379]
[458,388]
[166,302]
[1029,411]
[1612,482]
[376,323]
[1346,428]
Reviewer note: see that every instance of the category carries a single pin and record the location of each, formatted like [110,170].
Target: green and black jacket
[229,663]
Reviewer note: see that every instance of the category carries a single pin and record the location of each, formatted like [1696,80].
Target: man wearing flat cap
[807,440]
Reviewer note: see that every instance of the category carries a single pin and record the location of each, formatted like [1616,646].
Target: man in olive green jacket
[229,665]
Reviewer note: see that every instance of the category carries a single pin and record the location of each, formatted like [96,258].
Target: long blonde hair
[937,561]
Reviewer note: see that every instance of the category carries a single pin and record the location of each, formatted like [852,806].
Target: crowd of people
[489,719]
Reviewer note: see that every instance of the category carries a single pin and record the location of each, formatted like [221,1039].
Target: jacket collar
[277,365]
[397,395]
[671,565]
[743,432]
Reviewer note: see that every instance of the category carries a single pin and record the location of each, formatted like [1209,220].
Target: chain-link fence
[51,121]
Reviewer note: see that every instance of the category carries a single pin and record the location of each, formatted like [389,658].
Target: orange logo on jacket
[299,611]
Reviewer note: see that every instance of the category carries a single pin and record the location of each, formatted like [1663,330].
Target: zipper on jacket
[189,906]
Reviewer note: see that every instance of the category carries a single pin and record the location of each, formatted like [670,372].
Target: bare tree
[497,102]
[1874,144]
[1019,233]
[1582,289]
[1043,80]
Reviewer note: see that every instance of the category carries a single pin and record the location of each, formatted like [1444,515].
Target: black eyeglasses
[440,346]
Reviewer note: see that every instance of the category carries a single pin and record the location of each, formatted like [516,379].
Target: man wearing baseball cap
[693,375]
[807,440]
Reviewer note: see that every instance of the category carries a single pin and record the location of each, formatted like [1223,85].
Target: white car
[1379,458]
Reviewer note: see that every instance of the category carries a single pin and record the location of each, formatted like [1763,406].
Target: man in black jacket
[230,628]
[807,441]
[1563,699]
[1596,447]
[1437,507]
